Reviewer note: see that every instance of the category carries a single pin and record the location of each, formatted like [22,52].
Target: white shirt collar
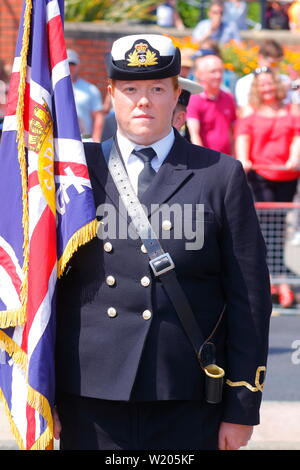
[162,147]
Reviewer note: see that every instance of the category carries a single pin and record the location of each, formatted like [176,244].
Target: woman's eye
[130,89]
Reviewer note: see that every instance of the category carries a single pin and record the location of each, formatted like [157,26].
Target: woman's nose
[143,100]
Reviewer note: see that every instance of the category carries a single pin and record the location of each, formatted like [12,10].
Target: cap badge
[141,56]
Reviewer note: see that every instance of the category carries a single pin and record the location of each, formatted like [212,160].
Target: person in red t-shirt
[268,145]
[268,135]
[211,114]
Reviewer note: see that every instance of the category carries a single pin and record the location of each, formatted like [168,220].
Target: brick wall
[92,59]
[10,12]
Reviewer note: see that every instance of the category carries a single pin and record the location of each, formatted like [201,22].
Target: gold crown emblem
[39,126]
[141,47]
[142,56]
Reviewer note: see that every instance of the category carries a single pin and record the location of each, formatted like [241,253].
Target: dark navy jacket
[133,356]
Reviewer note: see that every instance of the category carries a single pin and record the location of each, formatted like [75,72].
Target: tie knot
[145,154]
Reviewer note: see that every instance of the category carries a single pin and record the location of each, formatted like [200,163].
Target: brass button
[167,225]
[146,314]
[110,281]
[107,247]
[145,281]
[111,312]
[143,249]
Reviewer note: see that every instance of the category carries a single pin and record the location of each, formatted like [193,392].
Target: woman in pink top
[268,145]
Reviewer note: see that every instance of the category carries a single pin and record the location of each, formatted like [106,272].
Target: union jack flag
[47,212]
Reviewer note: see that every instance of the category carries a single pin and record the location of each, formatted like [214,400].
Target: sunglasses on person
[260,70]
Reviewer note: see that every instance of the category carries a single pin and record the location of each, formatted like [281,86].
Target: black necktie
[147,173]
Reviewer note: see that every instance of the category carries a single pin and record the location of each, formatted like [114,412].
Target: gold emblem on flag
[39,127]
[40,141]
[142,56]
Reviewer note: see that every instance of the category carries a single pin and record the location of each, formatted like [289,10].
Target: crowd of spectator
[218,26]
[258,123]
[277,15]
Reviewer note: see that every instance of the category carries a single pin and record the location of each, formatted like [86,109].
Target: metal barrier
[280,225]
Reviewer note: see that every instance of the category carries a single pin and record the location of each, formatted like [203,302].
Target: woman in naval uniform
[127,373]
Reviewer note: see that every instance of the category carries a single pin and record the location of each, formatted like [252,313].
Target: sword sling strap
[161,263]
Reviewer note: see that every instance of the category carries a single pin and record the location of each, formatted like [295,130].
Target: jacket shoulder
[204,157]
[92,151]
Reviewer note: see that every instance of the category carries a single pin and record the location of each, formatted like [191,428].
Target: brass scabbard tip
[214,371]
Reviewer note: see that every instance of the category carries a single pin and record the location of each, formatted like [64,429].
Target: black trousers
[265,190]
[93,424]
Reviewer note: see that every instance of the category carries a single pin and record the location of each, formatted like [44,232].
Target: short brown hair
[218,3]
[271,48]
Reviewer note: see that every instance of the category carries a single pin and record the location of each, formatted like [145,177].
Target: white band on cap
[161,43]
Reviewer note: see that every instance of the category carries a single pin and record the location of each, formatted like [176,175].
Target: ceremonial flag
[47,212]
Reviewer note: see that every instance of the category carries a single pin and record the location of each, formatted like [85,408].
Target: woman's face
[266,88]
[144,108]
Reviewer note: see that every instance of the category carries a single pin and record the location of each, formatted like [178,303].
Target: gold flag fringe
[21,151]
[37,401]
[17,316]
[82,236]
[14,317]
[13,350]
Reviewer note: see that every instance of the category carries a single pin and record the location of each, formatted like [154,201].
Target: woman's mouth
[143,116]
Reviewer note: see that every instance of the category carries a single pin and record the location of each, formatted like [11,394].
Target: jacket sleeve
[247,289]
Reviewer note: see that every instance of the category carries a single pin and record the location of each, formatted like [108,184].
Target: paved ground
[6,438]
[279,428]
